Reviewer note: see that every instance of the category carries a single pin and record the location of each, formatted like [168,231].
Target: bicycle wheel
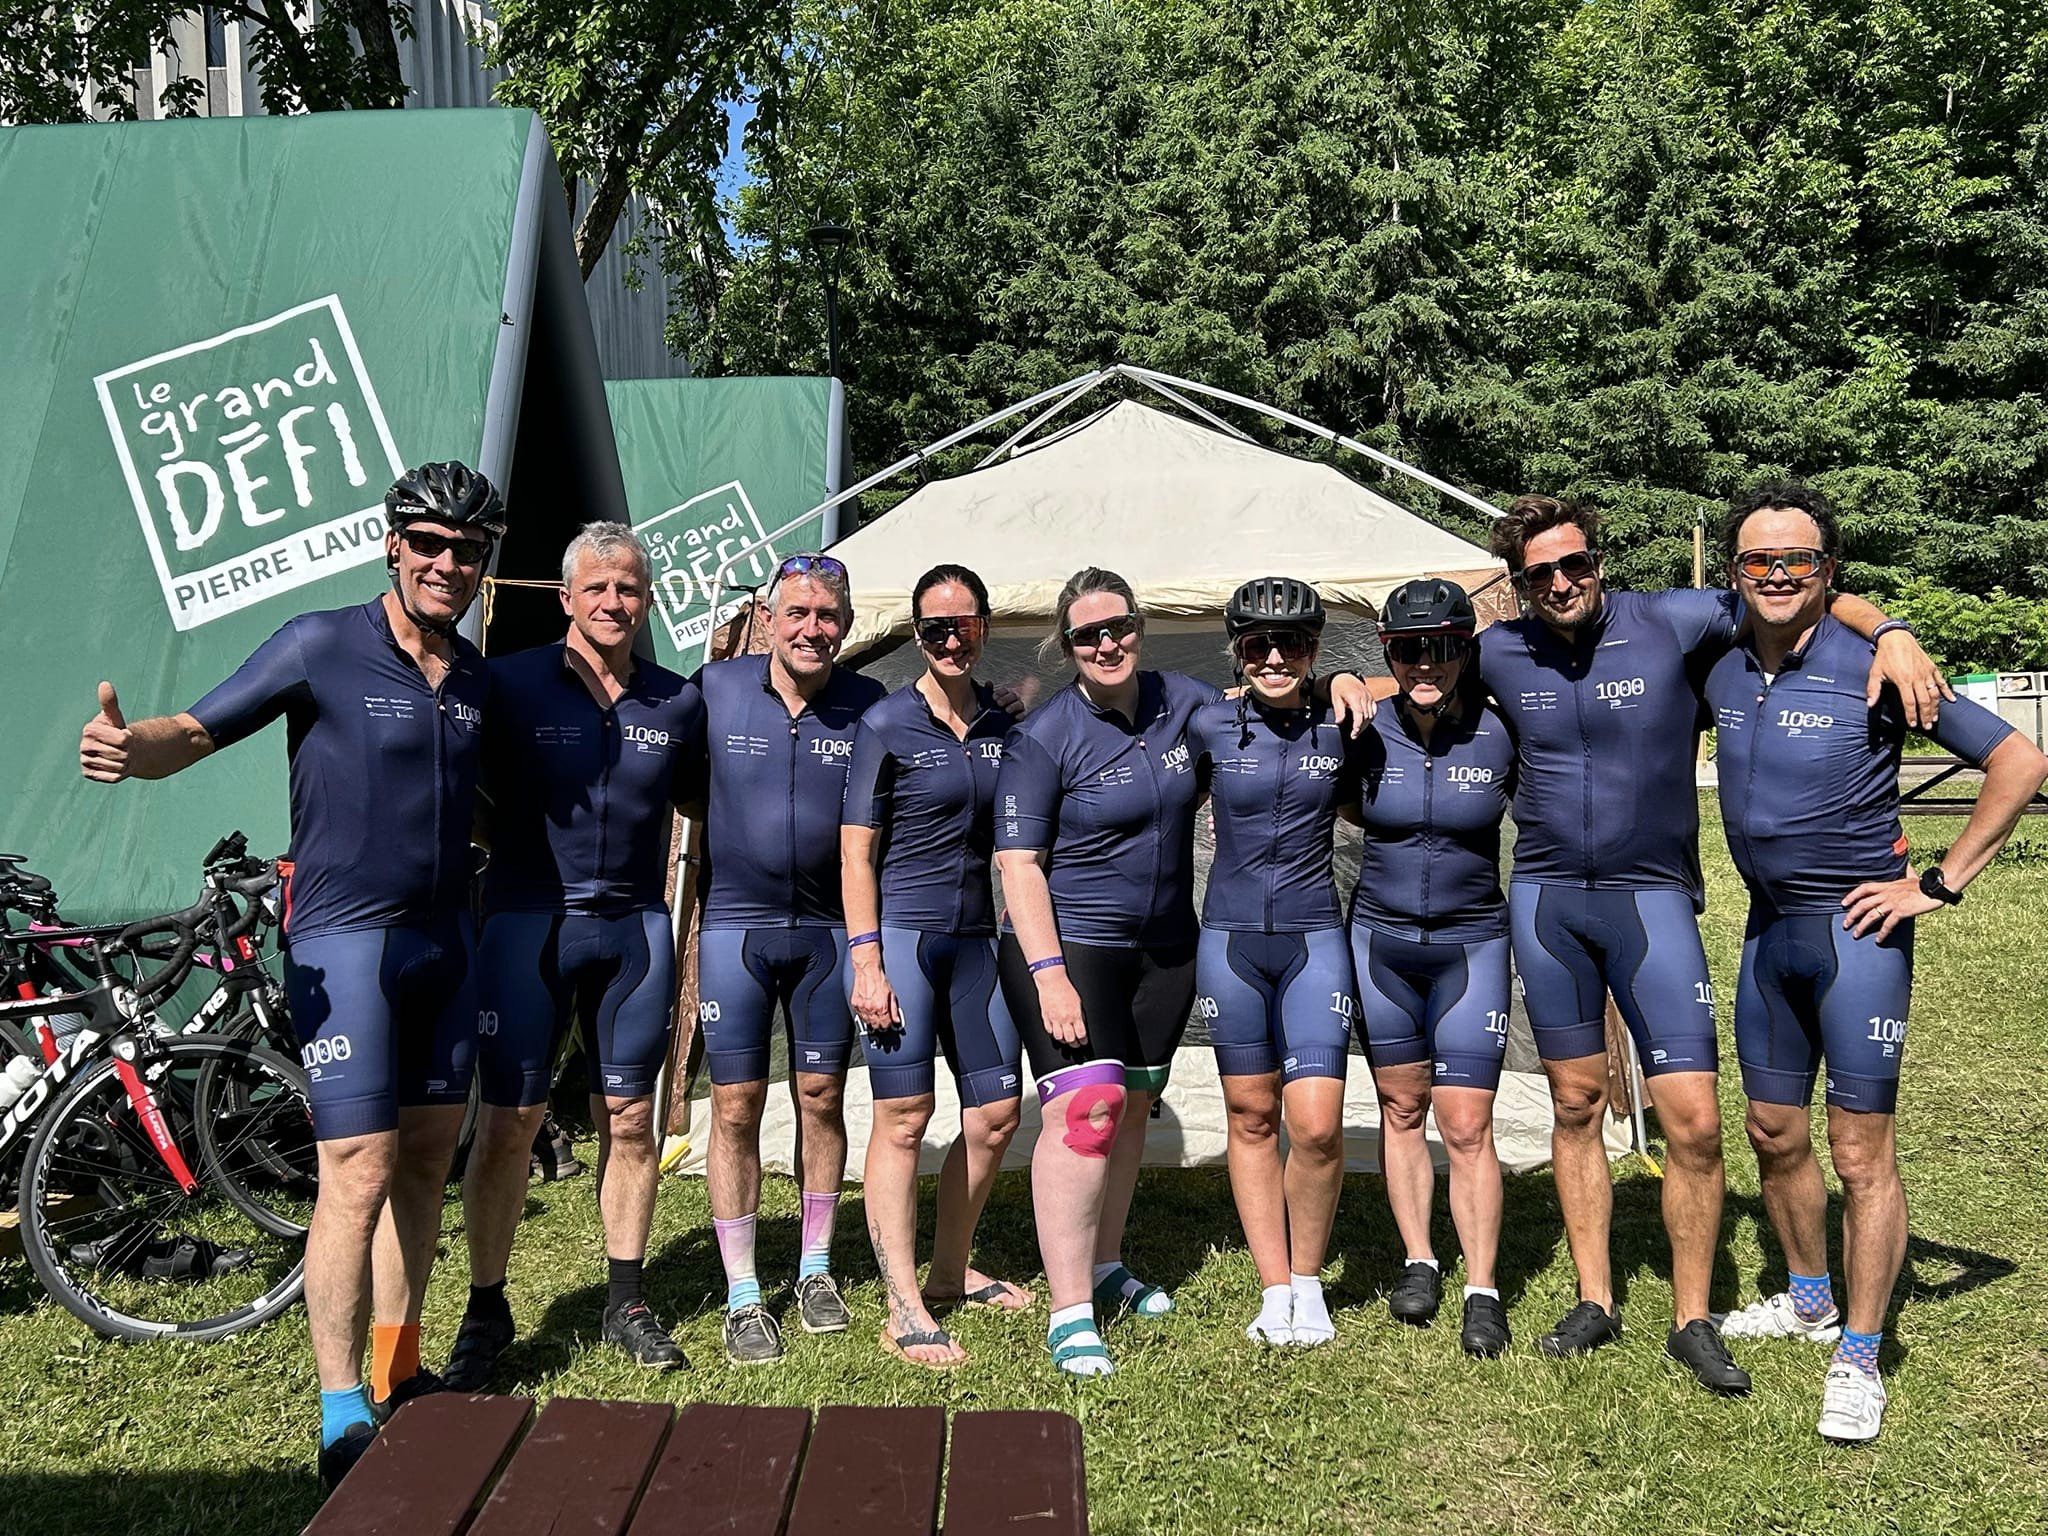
[252,1117]
[143,1244]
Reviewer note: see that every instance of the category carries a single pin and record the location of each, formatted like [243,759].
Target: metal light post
[829,241]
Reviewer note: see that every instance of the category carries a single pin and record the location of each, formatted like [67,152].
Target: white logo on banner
[688,543]
[257,459]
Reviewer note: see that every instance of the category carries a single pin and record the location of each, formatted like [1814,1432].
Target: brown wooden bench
[489,1466]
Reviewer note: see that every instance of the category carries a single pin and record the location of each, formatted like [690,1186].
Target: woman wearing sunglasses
[1273,970]
[917,832]
[1429,937]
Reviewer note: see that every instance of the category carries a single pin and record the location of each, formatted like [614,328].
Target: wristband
[1047,963]
[863,938]
[1890,626]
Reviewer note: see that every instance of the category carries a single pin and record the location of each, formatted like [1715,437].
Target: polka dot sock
[1859,1350]
[1813,1296]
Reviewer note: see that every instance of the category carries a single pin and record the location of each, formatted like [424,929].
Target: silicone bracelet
[1890,626]
[863,938]
[1047,964]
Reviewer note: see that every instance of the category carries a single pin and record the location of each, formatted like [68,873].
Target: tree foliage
[53,57]
[1640,251]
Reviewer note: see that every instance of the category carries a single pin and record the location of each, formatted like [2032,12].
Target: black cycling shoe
[1581,1331]
[175,1257]
[1417,1294]
[478,1343]
[421,1383]
[338,1458]
[1485,1333]
[1698,1347]
[632,1326]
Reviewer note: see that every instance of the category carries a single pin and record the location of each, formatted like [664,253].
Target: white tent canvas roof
[1184,512]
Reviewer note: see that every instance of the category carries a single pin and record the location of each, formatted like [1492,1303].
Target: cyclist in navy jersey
[780,731]
[1601,691]
[587,754]
[917,833]
[1429,935]
[383,703]
[1808,772]
[1272,970]
[1095,842]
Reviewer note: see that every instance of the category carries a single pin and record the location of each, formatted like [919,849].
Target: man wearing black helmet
[383,703]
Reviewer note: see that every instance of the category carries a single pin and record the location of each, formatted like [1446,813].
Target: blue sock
[1813,1296]
[339,1410]
[1859,1350]
[742,1293]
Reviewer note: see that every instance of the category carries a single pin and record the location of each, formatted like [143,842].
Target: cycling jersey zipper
[1428,826]
[1273,842]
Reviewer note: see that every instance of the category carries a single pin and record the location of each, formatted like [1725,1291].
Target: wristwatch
[1931,884]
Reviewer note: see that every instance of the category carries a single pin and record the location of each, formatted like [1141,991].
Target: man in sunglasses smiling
[1600,689]
[1809,774]
[384,705]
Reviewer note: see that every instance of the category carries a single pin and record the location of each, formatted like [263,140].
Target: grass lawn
[1391,1429]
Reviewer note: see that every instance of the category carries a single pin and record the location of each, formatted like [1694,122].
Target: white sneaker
[1851,1406]
[1776,1318]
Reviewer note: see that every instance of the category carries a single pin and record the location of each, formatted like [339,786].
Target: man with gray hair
[586,752]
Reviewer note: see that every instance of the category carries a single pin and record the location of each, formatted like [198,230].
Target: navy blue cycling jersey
[1607,722]
[777,782]
[1114,802]
[1275,780]
[1430,867]
[383,767]
[579,796]
[1810,773]
[932,798]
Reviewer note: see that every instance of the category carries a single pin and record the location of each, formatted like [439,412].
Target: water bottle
[63,1025]
[20,1075]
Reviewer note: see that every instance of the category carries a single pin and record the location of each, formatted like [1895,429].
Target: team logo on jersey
[384,707]
[931,757]
[1468,775]
[645,738]
[1804,722]
[466,715]
[1179,758]
[1534,699]
[557,735]
[832,749]
[746,746]
[989,751]
[1727,719]
[1318,765]
[1118,775]
[1620,692]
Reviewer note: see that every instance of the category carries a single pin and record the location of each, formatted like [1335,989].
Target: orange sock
[394,1356]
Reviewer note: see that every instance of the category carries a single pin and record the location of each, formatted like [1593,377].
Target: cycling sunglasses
[1292,645]
[1087,637]
[1797,564]
[429,546]
[1577,566]
[933,633]
[812,565]
[1413,650]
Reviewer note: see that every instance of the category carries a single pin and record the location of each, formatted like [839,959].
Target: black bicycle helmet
[1428,605]
[1274,602]
[449,493]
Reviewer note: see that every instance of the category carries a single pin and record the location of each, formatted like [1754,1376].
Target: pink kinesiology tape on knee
[1093,1113]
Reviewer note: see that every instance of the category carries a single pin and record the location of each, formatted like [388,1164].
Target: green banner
[229,337]
[713,466]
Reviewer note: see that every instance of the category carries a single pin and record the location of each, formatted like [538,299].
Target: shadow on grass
[257,1501]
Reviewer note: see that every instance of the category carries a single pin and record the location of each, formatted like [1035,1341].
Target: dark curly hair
[1527,516]
[1789,495]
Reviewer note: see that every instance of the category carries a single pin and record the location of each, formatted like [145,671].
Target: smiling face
[437,586]
[1274,676]
[606,599]
[807,626]
[1103,661]
[1425,682]
[958,650]
[1778,535]
[1559,599]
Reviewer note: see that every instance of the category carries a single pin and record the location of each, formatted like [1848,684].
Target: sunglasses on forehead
[1413,650]
[1577,566]
[1797,564]
[429,546]
[1292,645]
[1086,637]
[811,565]
[933,633]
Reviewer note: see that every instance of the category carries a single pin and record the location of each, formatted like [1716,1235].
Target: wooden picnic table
[452,1465]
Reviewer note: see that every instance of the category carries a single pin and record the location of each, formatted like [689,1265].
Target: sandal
[898,1344]
[984,1296]
[1079,1358]
[1146,1300]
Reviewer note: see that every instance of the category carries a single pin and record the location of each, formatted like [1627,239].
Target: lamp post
[829,241]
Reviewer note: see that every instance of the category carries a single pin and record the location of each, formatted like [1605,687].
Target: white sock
[1275,1322]
[1432,1263]
[1481,1290]
[1084,1313]
[1158,1305]
[1312,1323]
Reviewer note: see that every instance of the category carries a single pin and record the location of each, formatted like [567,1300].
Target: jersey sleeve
[870,780]
[1027,795]
[1699,617]
[690,778]
[261,688]
[1969,730]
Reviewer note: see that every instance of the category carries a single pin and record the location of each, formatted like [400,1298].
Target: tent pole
[1188,405]
[1274,411]
[767,541]
[1044,416]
